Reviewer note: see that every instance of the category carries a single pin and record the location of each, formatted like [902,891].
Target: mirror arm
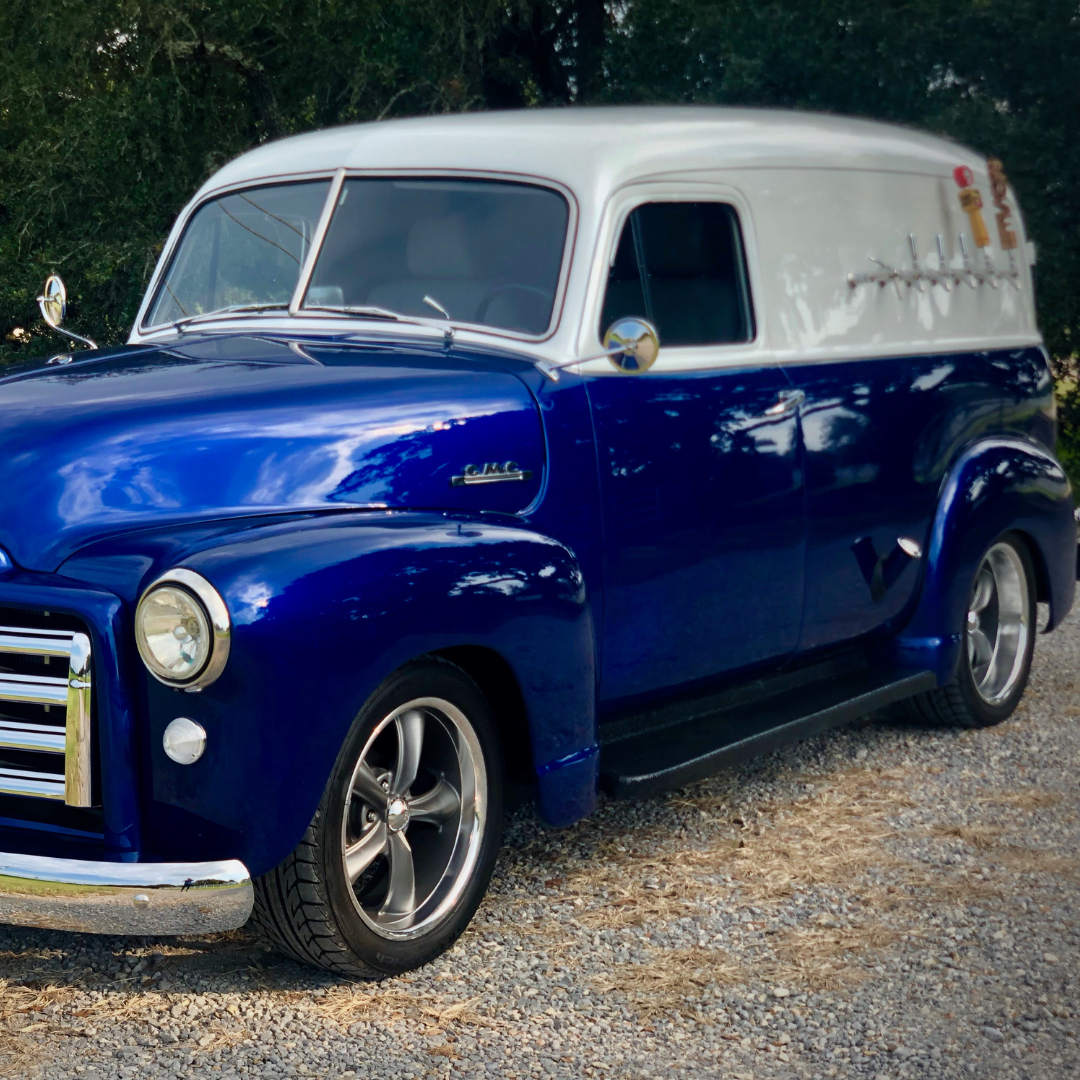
[89,342]
[552,370]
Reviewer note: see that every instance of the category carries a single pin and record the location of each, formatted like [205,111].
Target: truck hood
[235,425]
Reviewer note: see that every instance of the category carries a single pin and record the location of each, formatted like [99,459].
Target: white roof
[594,150]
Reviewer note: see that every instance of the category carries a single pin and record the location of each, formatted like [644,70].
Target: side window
[681,266]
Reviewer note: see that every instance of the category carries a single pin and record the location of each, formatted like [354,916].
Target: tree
[112,112]
[998,75]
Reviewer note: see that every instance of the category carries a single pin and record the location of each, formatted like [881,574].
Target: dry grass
[825,957]
[1029,799]
[830,838]
[981,837]
[16,1001]
[841,835]
[1025,860]
[345,1005]
[672,980]
[219,1038]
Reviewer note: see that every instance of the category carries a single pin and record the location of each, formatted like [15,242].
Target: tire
[999,639]
[385,880]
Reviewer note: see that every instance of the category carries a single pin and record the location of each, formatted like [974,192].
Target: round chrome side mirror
[53,305]
[53,301]
[632,345]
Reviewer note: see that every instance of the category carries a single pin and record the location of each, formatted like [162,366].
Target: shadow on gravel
[50,962]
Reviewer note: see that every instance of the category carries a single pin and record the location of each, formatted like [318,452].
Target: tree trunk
[590,24]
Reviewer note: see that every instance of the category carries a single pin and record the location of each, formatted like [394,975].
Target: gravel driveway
[885,901]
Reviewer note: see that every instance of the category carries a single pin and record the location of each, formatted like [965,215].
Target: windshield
[487,252]
[243,248]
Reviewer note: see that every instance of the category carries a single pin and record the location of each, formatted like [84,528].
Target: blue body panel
[999,485]
[241,425]
[703,516]
[880,437]
[671,533]
[323,610]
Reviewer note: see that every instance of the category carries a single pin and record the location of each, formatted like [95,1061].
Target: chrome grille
[44,717]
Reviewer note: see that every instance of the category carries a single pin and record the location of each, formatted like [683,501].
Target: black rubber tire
[958,704]
[304,905]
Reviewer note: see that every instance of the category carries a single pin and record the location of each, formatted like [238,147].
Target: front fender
[996,486]
[323,611]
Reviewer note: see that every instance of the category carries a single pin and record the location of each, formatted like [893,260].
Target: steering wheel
[499,290]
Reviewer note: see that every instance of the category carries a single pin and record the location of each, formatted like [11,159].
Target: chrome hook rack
[944,275]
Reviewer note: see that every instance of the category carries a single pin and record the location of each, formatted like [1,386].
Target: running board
[640,763]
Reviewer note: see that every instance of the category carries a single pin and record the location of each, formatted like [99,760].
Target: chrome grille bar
[73,694]
[15,735]
[25,782]
[33,691]
[35,642]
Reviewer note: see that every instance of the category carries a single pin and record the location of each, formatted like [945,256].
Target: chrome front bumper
[124,898]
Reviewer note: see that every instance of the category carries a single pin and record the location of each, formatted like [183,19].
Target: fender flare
[998,485]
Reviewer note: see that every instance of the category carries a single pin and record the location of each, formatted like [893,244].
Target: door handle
[787,401]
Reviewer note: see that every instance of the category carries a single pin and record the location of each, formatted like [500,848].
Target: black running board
[644,762]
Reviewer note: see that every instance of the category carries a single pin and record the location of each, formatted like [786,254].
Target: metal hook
[943,272]
[891,275]
[969,272]
[915,278]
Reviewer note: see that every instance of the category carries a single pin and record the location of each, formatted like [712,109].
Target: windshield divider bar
[317,241]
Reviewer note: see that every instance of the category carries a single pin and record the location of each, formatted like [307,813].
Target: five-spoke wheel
[414,816]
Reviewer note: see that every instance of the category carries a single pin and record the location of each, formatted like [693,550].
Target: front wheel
[403,844]
[999,639]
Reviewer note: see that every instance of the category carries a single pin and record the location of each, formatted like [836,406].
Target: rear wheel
[403,844]
[999,639]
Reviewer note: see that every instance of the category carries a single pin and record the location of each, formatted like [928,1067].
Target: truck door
[701,485]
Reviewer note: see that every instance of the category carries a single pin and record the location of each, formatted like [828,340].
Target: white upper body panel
[818,198]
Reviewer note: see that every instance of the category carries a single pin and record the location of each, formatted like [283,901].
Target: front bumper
[124,898]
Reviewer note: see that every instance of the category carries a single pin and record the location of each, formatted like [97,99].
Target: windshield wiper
[383,313]
[367,312]
[362,312]
[235,309]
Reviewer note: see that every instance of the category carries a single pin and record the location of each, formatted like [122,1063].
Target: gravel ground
[886,901]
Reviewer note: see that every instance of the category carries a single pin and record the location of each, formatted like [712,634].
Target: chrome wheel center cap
[397,814]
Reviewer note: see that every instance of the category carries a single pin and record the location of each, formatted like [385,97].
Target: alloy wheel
[998,624]
[414,817]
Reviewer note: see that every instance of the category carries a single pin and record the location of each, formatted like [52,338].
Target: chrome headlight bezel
[217,617]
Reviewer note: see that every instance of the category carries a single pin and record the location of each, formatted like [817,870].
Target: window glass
[680,266]
[488,252]
[243,248]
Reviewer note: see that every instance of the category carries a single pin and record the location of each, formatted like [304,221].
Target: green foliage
[997,75]
[113,112]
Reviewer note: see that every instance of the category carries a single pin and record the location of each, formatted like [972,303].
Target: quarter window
[681,266]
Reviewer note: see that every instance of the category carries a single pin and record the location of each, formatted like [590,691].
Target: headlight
[182,630]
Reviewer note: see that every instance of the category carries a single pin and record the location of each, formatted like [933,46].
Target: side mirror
[53,305]
[53,301]
[632,345]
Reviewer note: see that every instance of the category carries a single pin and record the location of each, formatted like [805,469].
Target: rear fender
[996,486]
